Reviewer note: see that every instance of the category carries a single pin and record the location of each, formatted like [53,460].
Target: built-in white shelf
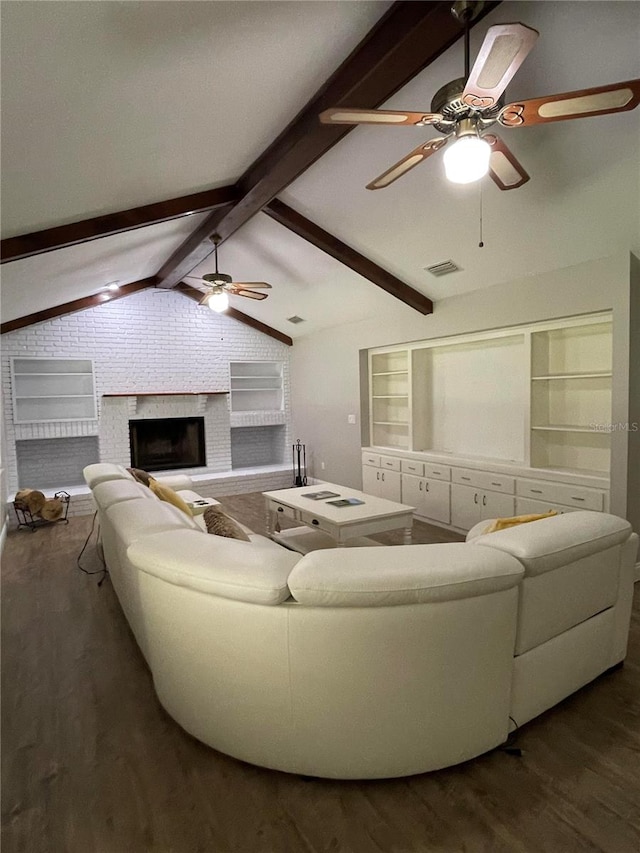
[572,376]
[52,389]
[256,386]
[568,428]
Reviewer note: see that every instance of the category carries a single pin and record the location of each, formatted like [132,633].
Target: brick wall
[155,340]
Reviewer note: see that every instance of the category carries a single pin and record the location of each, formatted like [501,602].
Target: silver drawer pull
[315,521]
[437,472]
[465,478]
[280,509]
[496,484]
[536,491]
[574,498]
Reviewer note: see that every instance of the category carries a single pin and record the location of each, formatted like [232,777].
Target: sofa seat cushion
[400,574]
[101,472]
[113,491]
[216,565]
[556,541]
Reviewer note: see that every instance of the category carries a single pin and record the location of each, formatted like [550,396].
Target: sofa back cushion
[546,544]
[100,472]
[111,492]
[216,565]
[400,574]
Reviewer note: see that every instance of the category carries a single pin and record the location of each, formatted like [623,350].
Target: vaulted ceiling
[110,106]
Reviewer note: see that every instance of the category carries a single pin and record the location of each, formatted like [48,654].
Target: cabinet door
[371,482]
[495,505]
[390,485]
[412,494]
[465,506]
[436,501]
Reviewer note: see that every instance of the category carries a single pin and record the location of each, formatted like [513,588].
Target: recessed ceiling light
[113,285]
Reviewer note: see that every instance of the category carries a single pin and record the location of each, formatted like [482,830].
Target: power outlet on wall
[322,466]
[351,419]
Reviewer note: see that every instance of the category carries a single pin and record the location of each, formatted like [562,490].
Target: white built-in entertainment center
[494,423]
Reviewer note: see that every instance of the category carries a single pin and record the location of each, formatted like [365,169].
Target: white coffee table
[329,526]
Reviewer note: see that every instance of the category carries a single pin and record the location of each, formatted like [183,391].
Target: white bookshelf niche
[571,374]
[52,389]
[390,380]
[256,386]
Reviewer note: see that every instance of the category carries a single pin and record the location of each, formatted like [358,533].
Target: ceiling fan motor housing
[217,278]
[448,102]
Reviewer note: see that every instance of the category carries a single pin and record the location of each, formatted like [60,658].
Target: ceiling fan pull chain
[481,243]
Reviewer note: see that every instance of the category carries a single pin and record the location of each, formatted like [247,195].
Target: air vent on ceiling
[295,319]
[443,268]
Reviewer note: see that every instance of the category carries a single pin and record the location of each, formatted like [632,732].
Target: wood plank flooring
[92,764]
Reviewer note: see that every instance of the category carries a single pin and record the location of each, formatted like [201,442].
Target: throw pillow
[220,524]
[140,475]
[166,493]
[504,523]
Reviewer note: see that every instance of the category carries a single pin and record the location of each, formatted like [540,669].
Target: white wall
[154,340]
[326,375]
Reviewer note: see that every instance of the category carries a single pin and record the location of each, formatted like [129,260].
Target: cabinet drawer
[561,493]
[392,463]
[409,466]
[281,509]
[484,480]
[437,472]
[526,506]
[371,459]
[318,523]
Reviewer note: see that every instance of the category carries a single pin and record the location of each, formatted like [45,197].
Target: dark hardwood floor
[92,764]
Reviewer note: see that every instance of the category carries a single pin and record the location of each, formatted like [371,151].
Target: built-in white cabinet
[536,396]
[430,497]
[52,389]
[381,477]
[469,505]
[256,386]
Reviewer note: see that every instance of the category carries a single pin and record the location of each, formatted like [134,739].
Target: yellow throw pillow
[504,523]
[166,493]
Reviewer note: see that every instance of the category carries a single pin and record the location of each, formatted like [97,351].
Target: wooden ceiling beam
[27,245]
[405,41]
[317,236]
[194,293]
[76,305]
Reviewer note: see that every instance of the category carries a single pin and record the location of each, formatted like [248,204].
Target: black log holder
[26,519]
[299,464]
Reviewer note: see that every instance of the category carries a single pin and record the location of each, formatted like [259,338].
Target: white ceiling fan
[467,107]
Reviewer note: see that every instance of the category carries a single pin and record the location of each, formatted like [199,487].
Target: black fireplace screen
[160,444]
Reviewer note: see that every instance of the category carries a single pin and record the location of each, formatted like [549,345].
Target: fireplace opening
[160,444]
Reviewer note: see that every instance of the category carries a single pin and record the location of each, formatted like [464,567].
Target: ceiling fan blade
[257,284]
[346,115]
[504,49]
[505,171]
[251,294]
[204,299]
[402,166]
[602,100]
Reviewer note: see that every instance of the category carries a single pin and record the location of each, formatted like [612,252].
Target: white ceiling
[106,106]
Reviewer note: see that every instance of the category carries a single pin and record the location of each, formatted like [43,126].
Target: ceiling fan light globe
[218,302]
[467,160]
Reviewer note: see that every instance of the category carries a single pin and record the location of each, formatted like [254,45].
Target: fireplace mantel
[134,396]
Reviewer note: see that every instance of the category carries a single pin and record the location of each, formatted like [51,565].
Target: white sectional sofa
[364,662]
